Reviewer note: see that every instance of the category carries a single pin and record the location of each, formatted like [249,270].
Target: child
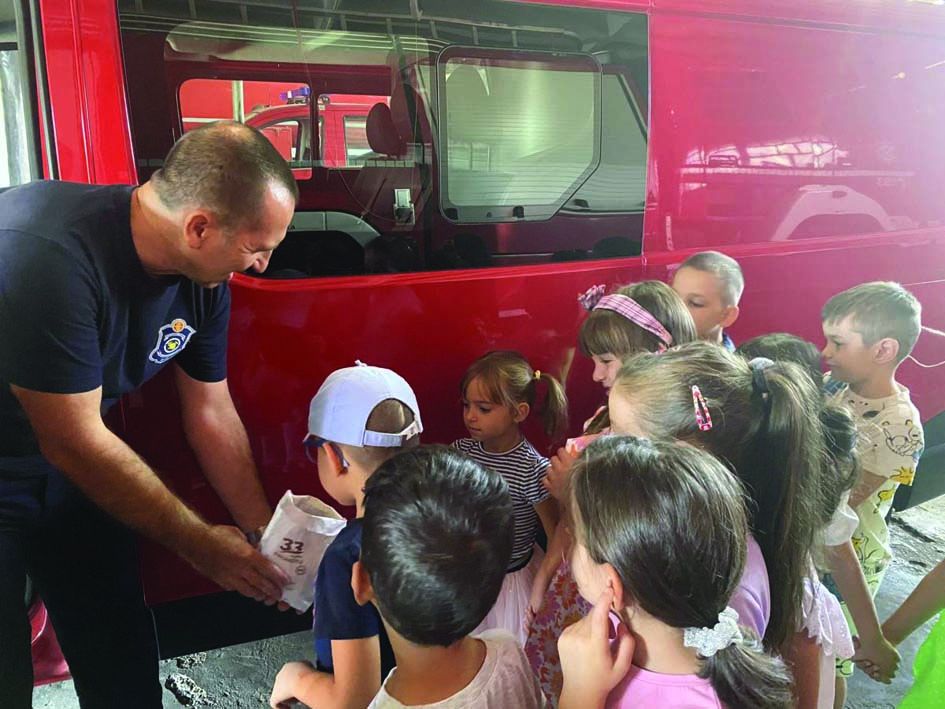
[660,544]
[711,285]
[762,421]
[869,330]
[925,601]
[823,625]
[436,543]
[643,317]
[499,390]
[359,418]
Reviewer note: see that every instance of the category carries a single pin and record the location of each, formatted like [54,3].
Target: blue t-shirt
[78,311]
[337,614]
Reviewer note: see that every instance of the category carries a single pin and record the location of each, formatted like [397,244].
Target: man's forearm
[219,441]
[116,479]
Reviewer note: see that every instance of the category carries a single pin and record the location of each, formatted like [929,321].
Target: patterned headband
[637,314]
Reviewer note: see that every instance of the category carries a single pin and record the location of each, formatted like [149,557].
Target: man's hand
[592,664]
[225,557]
[558,477]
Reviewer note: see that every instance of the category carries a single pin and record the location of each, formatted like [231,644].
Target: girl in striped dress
[499,391]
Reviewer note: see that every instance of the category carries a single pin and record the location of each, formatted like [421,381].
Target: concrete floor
[240,677]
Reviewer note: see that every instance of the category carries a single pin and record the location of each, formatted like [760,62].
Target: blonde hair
[509,380]
[879,309]
[724,268]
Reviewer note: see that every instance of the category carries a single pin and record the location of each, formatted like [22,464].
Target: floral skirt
[563,606]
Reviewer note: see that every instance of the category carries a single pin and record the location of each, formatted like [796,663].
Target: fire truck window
[521,135]
[356,142]
[14,139]
[618,184]
[279,110]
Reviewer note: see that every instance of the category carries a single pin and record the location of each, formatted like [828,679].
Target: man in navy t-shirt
[101,287]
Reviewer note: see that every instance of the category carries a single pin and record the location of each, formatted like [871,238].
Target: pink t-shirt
[752,598]
[642,688]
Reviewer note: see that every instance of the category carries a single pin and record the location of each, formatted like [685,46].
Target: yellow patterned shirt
[890,443]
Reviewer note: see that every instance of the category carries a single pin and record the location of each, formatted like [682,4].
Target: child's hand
[559,474]
[591,664]
[879,658]
[287,681]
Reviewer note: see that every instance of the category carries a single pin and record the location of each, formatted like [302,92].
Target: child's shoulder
[344,549]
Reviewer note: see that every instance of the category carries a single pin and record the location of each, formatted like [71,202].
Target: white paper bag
[295,540]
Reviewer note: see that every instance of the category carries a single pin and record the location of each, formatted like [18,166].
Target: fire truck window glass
[14,141]
[279,110]
[450,134]
[519,134]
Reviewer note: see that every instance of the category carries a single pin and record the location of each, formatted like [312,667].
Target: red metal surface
[804,78]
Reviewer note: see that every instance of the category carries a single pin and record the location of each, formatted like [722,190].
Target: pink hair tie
[591,297]
[637,314]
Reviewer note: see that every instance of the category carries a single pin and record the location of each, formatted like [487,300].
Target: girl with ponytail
[761,419]
[500,390]
[660,534]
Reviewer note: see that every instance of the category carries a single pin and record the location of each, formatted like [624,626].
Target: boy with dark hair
[437,539]
[360,417]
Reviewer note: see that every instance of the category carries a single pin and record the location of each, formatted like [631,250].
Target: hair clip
[591,297]
[703,417]
[537,374]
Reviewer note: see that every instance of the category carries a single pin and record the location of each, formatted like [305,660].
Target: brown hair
[671,521]
[765,426]
[604,331]
[225,167]
[389,416]
[839,427]
[509,380]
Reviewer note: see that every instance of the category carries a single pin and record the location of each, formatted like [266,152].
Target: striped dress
[523,468]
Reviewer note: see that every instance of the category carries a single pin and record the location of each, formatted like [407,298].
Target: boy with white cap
[360,417]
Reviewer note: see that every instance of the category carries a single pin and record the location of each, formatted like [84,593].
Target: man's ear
[731,315]
[520,412]
[886,350]
[361,584]
[198,224]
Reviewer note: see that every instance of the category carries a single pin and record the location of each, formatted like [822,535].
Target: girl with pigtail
[643,317]
[823,637]
[660,545]
[499,391]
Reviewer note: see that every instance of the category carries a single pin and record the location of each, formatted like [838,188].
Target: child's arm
[356,681]
[593,664]
[926,600]
[846,571]
[865,486]
[802,654]
[557,544]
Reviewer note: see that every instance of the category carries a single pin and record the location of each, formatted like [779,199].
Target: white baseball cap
[340,409]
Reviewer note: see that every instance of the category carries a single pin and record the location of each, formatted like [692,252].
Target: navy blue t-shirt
[78,311]
[337,614]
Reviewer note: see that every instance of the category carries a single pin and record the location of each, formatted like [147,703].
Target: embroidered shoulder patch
[172,338]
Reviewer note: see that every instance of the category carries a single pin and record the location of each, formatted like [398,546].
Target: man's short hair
[878,309]
[225,167]
[723,267]
[436,542]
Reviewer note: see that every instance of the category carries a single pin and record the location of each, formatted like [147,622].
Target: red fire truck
[477,165]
